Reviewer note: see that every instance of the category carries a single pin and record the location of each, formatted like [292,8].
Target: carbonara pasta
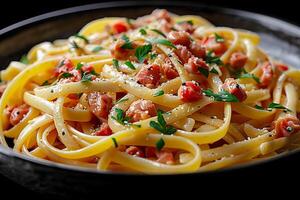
[159,94]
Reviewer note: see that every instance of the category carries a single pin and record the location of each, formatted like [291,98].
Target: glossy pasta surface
[158,94]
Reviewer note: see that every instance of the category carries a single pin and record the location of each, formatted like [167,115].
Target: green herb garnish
[210,59]
[162,126]
[97,49]
[158,32]
[163,42]
[277,106]
[66,75]
[223,96]
[214,71]
[203,71]
[121,100]
[86,77]
[130,65]
[153,56]
[82,37]
[248,75]
[142,51]
[115,142]
[24,60]
[116,63]
[187,21]
[127,44]
[74,45]
[159,93]
[143,31]
[160,144]
[259,107]
[79,66]
[122,119]
[219,38]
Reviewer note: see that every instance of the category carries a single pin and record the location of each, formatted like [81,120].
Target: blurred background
[13,11]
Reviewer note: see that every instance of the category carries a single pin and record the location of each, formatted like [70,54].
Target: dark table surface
[14,11]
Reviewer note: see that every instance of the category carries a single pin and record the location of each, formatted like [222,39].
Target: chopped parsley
[82,37]
[122,119]
[160,144]
[223,96]
[142,51]
[121,100]
[116,63]
[187,21]
[259,107]
[143,31]
[97,49]
[24,60]
[74,45]
[115,142]
[66,75]
[162,126]
[219,38]
[277,106]
[127,44]
[158,32]
[130,65]
[129,21]
[159,93]
[211,59]
[214,71]
[87,77]
[163,42]
[79,66]
[153,56]
[248,75]
[203,71]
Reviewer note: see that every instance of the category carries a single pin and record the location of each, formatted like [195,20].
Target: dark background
[13,11]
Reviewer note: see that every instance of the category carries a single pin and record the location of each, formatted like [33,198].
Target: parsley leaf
[258,107]
[203,71]
[86,77]
[116,63]
[142,51]
[188,21]
[219,38]
[74,45]
[143,31]
[163,42]
[127,44]
[82,37]
[159,93]
[248,75]
[160,144]
[158,32]
[162,126]
[214,71]
[24,60]
[277,106]
[97,49]
[79,66]
[121,100]
[210,59]
[223,96]
[66,75]
[130,65]
[115,142]
[122,119]
[153,56]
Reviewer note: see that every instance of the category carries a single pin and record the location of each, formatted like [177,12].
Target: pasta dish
[158,94]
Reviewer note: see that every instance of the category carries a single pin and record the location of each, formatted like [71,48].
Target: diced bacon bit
[217,47]
[119,27]
[149,76]
[66,66]
[135,151]
[18,113]
[179,38]
[185,26]
[160,14]
[104,130]
[286,126]
[198,50]
[2,89]
[87,68]
[267,75]
[238,60]
[150,152]
[168,70]
[190,91]
[99,104]
[281,67]
[140,110]
[120,53]
[165,157]
[183,53]
[73,96]
[234,88]
[194,64]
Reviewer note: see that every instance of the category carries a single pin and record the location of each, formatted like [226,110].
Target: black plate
[279,38]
